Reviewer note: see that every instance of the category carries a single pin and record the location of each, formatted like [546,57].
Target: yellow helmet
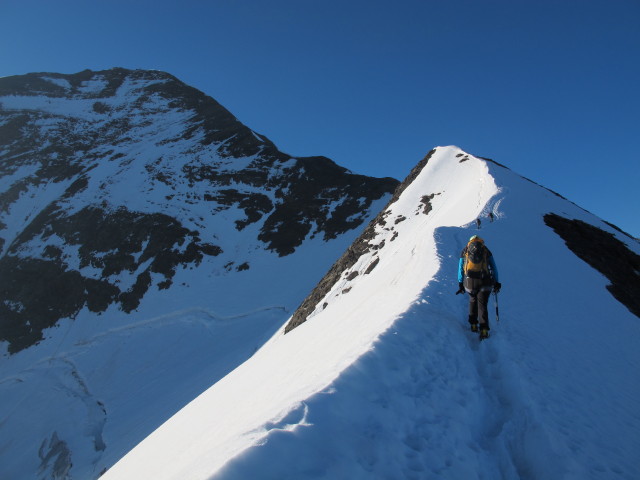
[476,238]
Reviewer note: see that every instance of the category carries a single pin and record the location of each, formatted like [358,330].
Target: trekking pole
[497,312]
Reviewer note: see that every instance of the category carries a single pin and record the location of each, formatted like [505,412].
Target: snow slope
[384,380]
[117,178]
[103,383]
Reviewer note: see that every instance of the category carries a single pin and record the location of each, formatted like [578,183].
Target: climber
[478,275]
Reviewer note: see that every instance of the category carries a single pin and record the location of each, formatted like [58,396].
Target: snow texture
[385,380]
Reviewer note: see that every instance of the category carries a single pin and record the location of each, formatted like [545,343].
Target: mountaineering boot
[473,322]
[484,333]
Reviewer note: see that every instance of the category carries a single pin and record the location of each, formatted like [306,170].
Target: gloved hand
[460,288]
[497,286]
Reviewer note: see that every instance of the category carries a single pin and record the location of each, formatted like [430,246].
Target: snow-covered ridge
[236,412]
[209,238]
[385,380]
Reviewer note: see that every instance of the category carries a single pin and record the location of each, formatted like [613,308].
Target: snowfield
[384,380]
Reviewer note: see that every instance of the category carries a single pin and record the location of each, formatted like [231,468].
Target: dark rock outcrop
[39,289]
[363,244]
[604,252]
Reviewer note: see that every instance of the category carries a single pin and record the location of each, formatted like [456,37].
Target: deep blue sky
[548,88]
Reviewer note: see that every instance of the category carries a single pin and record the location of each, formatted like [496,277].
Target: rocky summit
[110,181]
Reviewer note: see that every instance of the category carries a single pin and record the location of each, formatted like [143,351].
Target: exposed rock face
[363,244]
[111,181]
[605,253]
[55,458]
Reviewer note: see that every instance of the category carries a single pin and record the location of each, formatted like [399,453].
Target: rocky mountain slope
[133,169]
[131,203]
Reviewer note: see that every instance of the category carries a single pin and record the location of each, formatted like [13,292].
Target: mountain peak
[153,249]
[143,226]
[162,173]
[382,358]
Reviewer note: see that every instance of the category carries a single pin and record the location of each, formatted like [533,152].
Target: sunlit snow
[386,380]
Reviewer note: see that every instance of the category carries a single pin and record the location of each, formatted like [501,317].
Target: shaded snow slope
[149,244]
[384,379]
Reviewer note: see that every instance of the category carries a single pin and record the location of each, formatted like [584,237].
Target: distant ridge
[149,243]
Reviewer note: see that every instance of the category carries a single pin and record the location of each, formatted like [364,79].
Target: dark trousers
[478,312]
